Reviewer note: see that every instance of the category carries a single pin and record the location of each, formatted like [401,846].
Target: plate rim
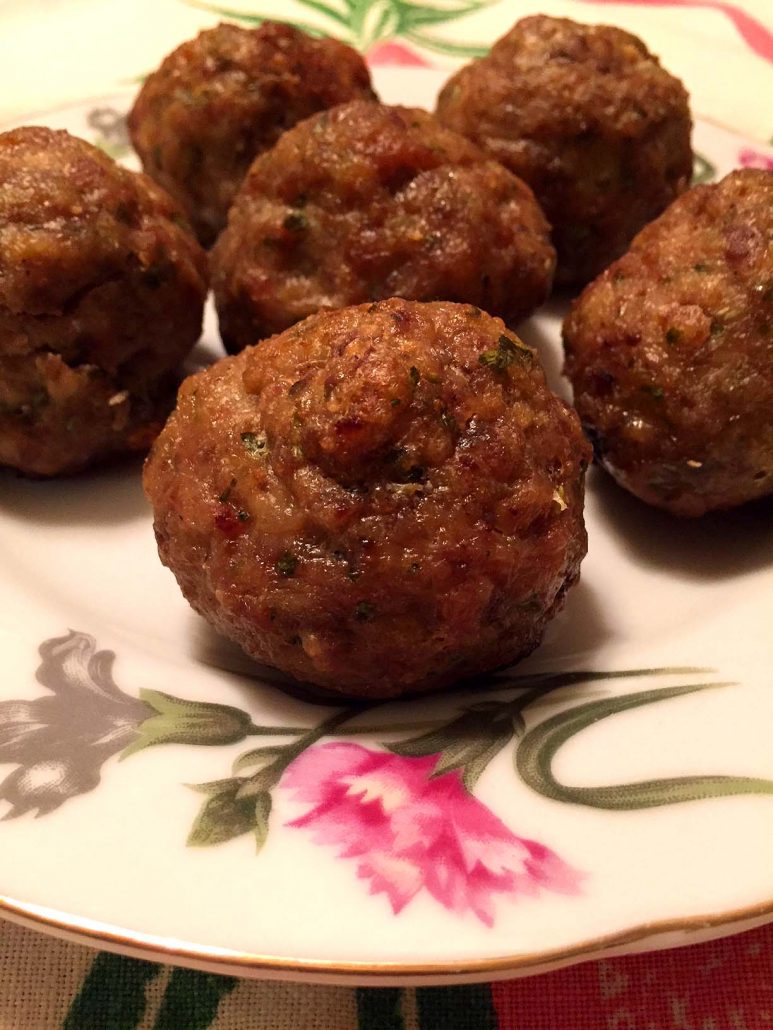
[170,951]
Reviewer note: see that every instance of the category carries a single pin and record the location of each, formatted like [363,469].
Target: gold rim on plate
[93,933]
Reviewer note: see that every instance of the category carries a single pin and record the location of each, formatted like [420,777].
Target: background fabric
[722,985]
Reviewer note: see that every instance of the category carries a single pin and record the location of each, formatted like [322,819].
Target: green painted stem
[538,748]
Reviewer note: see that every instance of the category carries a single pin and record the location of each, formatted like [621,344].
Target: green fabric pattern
[113,994]
[467,1007]
[114,997]
[192,999]
[380,1008]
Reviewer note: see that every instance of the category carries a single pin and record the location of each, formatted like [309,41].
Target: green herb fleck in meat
[254,444]
[296,221]
[508,351]
[287,564]
[448,421]
[364,611]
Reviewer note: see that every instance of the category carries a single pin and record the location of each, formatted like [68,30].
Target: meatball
[381,500]
[366,202]
[228,95]
[586,115]
[671,354]
[101,295]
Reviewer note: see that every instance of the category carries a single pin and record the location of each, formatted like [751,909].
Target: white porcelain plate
[614,792]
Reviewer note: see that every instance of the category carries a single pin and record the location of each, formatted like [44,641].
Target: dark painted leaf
[476,765]
[468,742]
[535,754]
[262,813]
[223,816]
[473,725]
[264,779]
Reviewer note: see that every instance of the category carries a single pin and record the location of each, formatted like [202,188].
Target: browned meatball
[366,202]
[101,295]
[671,352]
[220,99]
[586,115]
[381,500]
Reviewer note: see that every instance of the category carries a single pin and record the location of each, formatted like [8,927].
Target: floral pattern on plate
[406,813]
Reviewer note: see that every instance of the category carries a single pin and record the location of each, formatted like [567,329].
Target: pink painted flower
[749,158]
[409,832]
[393,54]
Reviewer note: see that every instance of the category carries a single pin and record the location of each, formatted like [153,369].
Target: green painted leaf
[414,15]
[325,9]
[544,682]
[458,733]
[259,756]
[468,742]
[223,816]
[212,787]
[178,721]
[444,46]
[703,170]
[264,779]
[262,813]
[476,766]
[535,754]
[253,19]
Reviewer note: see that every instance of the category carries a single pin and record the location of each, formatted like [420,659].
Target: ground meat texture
[671,352]
[367,202]
[381,500]
[586,115]
[228,95]
[102,291]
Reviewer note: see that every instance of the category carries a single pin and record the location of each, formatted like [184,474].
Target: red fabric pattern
[722,985]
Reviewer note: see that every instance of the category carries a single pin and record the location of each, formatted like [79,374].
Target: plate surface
[612,793]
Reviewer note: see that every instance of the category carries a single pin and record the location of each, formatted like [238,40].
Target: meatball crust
[381,500]
[366,202]
[589,119]
[671,354]
[220,99]
[101,295]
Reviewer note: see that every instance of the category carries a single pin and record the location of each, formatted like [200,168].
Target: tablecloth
[722,985]
[53,52]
